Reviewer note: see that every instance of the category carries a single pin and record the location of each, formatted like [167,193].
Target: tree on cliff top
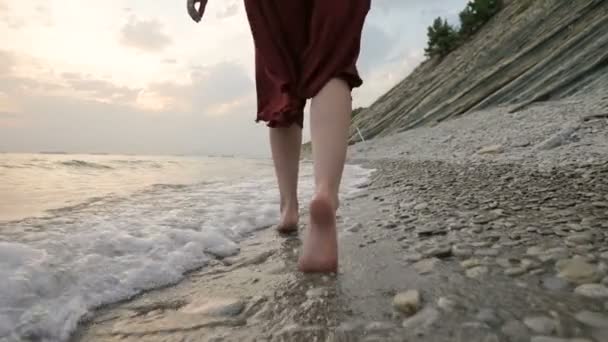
[476,14]
[443,38]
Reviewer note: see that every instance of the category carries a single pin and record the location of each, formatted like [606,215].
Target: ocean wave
[84,164]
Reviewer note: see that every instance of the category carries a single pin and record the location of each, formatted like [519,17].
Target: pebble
[557,339]
[446,304]
[605,281]
[413,257]
[554,283]
[554,254]
[592,319]
[426,266]
[595,291]
[476,272]
[487,252]
[515,271]
[439,252]
[576,270]
[379,326]
[461,251]
[469,263]
[316,292]
[491,149]
[579,239]
[421,206]
[516,331]
[422,320]
[535,250]
[604,255]
[407,302]
[215,307]
[487,316]
[541,325]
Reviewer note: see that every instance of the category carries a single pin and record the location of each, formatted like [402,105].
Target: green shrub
[443,38]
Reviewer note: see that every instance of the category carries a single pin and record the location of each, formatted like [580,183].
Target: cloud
[144,35]
[228,11]
[376,47]
[101,90]
[7,60]
[211,90]
[169,61]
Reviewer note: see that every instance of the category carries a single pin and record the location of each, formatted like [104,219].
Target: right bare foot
[320,247]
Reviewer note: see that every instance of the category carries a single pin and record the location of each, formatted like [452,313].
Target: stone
[515,331]
[461,251]
[446,304]
[515,271]
[554,254]
[541,325]
[421,206]
[554,283]
[486,252]
[469,263]
[407,302]
[595,291]
[476,272]
[215,307]
[317,292]
[548,339]
[605,281]
[535,250]
[487,316]
[604,255]
[413,257]
[426,266]
[592,319]
[373,327]
[439,252]
[576,270]
[422,320]
[491,149]
[579,239]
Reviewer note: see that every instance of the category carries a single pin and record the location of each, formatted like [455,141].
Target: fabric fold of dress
[299,46]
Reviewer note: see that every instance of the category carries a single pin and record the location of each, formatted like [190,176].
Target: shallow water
[79,231]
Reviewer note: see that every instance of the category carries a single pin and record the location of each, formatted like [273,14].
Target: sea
[81,231]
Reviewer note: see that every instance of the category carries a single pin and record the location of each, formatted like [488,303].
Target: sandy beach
[476,235]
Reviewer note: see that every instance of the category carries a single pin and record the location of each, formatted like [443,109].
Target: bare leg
[330,119]
[285,144]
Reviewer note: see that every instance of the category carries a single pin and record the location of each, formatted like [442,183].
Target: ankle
[327,197]
[289,207]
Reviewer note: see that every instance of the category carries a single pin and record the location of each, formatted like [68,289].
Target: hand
[196,14]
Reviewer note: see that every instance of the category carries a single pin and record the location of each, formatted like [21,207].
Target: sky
[140,77]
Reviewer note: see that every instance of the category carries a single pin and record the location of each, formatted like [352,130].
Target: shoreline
[505,245]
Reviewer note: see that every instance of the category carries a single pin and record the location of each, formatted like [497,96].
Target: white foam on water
[56,270]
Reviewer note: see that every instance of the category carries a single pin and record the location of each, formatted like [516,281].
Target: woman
[306,49]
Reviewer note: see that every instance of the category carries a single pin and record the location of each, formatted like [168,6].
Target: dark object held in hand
[196,14]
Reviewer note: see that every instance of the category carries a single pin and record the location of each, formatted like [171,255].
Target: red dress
[299,46]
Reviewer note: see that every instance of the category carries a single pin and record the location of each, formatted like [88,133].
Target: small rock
[407,302]
[541,325]
[476,272]
[604,255]
[516,331]
[548,339]
[422,320]
[379,326]
[469,263]
[576,270]
[316,293]
[461,251]
[439,252]
[592,319]
[215,307]
[596,291]
[426,266]
[421,206]
[487,316]
[535,250]
[554,254]
[446,304]
[489,252]
[515,271]
[492,149]
[554,283]
[413,257]
[605,281]
[579,239]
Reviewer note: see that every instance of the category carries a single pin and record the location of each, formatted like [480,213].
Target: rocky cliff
[531,51]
